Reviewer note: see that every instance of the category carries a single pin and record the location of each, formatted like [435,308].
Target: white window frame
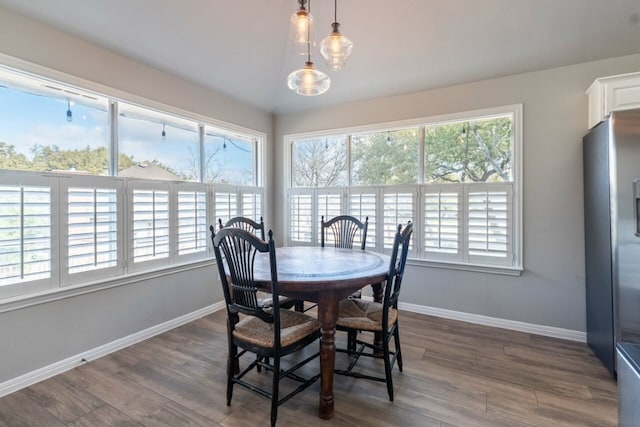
[513,265]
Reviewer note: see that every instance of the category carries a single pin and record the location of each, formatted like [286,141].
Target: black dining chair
[270,333]
[356,315]
[245,223]
[257,228]
[342,230]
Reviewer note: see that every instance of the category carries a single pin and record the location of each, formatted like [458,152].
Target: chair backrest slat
[343,230]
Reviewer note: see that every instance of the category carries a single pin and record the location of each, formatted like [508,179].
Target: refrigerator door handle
[636,205]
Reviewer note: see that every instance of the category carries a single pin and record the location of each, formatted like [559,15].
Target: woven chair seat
[294,326]
[363,315]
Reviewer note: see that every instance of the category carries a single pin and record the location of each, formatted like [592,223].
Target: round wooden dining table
[325,276]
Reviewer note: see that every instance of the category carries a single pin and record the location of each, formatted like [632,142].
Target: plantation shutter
[150,208]
[329,205]
[489,225]
[92,229]
[443,222]
[226,203]
[362,204]
[192,222]
[25,234]
[397,208]
[252,203]
[300,216]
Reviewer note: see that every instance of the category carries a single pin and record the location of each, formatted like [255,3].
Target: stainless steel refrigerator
[611,153]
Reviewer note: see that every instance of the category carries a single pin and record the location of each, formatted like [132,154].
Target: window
[455,177]
[476,150]
[389,157]
[153,145]
[110,188]
[229,159]
[320,162]
[50,127]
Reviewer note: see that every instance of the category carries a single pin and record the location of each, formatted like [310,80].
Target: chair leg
[299,307]
[387,364]
[396,335]
[232,364]
[275,390]
[351,342]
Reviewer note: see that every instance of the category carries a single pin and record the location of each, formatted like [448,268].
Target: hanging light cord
[224,145]
[309,37]
[335,11]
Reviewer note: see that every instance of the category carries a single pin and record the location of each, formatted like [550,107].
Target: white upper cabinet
[607,94]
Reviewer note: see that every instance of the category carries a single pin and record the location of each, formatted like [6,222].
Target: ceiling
[239,48]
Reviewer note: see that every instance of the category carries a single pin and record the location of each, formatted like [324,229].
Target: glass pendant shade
[335,48]
[308,81]
[301,31]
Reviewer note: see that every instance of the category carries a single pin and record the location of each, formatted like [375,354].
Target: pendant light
[301,30]
[307,80]
[335,48]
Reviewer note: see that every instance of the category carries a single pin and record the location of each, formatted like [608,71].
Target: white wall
[551,290]
[41,335]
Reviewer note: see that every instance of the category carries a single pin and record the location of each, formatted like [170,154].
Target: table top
[316,268]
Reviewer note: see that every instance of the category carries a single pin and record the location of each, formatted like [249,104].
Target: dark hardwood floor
[455,374]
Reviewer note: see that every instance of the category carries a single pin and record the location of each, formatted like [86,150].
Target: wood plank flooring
[455,374]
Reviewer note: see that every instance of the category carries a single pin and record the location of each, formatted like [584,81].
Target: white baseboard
[548,331]
[56,368]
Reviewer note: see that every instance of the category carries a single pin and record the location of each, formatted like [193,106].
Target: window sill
[28,300]
[477,268]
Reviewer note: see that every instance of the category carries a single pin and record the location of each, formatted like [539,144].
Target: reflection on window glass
[228,160]
[470,151]
[385,158]
[320,162]
[46,127]
[157,146]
